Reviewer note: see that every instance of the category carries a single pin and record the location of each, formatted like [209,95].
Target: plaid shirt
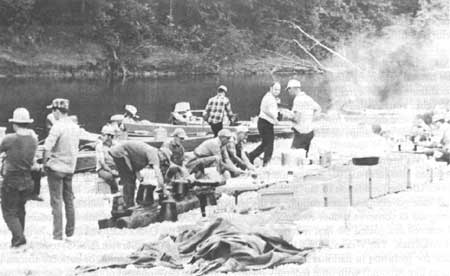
[216,108]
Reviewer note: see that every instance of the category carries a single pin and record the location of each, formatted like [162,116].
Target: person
[235,148]
[175,145]
[49,122]
[213,152]
[130,115]
[304,110]
[130,157]
[59,161]
[216,109]
[20,148]
[115,122]
[268,117]
[106,168]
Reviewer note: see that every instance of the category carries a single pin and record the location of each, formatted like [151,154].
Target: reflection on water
[94,101]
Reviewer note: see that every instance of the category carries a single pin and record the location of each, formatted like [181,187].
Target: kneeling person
[235,149]
[106,168]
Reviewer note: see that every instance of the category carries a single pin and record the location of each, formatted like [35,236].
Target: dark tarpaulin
[221,246]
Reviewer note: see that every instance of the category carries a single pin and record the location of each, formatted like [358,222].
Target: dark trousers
[302,140]
[13,209]
[216,128]
[127,180]
[109,179]
[36,176]
[60,187]
[268,137]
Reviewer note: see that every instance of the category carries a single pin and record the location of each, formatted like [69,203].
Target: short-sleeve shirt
[306,106]
[209,147]
[102,154]
[139,154]
[20,152]
[269,108]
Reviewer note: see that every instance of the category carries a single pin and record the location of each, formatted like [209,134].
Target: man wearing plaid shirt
[216,108]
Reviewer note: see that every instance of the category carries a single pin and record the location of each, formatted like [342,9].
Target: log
[140,217]
[144,216]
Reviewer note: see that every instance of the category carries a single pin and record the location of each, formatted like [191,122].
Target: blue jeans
[60,187]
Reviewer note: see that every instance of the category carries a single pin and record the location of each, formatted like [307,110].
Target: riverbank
[86,60]
[398,234]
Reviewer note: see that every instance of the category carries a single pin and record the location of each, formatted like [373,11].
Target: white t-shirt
[305,107]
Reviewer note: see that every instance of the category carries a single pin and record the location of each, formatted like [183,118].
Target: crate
[276,197]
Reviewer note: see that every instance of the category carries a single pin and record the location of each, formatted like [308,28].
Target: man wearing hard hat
[304,110]
[106,168]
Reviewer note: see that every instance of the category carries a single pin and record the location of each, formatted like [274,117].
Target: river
[94,101]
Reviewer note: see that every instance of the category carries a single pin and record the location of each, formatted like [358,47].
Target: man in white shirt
[304,110]
[266,120]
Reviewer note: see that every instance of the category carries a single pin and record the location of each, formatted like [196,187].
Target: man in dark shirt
[20,148]
[130,157]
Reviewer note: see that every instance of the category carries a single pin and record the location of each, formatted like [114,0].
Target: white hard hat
[108,130]
[293,83]
[131,108]
[242,129]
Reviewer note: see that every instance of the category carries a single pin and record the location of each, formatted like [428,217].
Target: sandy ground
[399,234]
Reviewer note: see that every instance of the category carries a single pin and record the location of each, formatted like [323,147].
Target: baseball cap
[225,133]
[59,103]
[179,132]
[222,87]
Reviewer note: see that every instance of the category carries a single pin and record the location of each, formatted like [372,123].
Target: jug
[168,211]
[144,195]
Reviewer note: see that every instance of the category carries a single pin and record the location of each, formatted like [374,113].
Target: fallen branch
[311,56]
[322,45]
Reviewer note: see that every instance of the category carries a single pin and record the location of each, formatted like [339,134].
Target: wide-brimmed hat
[224,133]
[179,132]
[59,103]
[222,88]
[131,108]
[293,83]
[21,116]
[117,118]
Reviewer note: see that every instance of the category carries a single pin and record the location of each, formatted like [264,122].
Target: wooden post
[325,194]
[370,182]
[350,188]
[408,174]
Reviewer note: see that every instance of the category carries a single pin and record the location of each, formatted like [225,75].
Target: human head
[21,118]
[59,107]
[241,133]
[224,136]
[116,119]
[275,88]
[294,86]
[107,133]
[222,89]
[179,134]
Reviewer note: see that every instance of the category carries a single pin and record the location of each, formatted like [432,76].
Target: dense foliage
[223,30]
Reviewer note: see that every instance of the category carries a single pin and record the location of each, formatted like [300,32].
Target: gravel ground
[399,234]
